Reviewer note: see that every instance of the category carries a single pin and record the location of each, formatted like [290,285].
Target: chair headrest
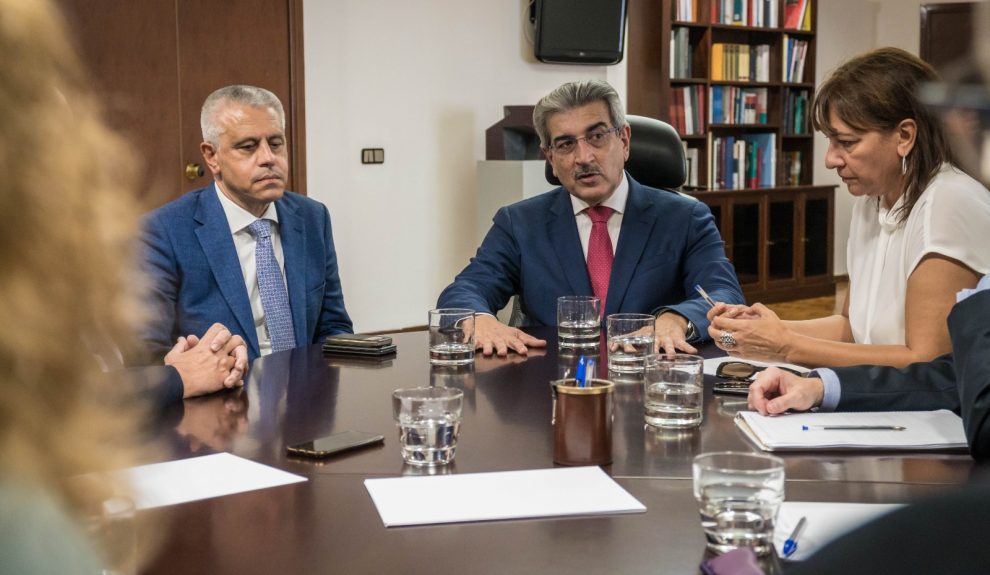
[656,155]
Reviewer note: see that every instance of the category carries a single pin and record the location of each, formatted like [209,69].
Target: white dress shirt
[617,201]
[239,219]
[951,218]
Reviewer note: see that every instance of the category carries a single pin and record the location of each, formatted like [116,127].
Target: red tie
[599,251]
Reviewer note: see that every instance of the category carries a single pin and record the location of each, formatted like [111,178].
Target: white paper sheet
[712,363]
[496,496]
[940,429]
[172,482]
[824,522]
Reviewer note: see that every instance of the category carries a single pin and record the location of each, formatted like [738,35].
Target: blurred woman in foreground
[66,222]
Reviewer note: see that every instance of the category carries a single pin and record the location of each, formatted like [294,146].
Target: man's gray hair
[239,94]
[574,95]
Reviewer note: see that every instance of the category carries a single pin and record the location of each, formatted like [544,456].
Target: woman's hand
[753,332]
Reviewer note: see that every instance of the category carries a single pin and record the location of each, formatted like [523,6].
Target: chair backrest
[656,155]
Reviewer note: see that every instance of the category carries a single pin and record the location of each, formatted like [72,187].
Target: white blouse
[951,218]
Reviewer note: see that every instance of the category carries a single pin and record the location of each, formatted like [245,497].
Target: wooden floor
[812,308]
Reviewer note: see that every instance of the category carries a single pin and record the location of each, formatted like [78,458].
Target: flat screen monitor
[580,31]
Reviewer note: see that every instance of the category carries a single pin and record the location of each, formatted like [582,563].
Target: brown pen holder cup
[582,422]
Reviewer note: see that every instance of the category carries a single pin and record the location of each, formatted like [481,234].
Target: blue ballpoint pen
[579,372]
[790,546]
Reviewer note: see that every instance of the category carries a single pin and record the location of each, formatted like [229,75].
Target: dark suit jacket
[667,244]
[197,280]
[942,535]
[959,381]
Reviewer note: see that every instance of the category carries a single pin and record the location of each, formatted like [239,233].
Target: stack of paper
[865,430]
[823,523]
[501,495]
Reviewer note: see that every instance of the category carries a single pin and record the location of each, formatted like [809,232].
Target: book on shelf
[792,168]
[747,161]
[681,53]
[687,109]
[797,14]
[740,62]
[794,52]
[691,159]
[737,105]
[754,13]
[796,112]
[686,10]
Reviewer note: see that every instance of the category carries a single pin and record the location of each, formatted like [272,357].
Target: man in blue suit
[243,252]
[658,244]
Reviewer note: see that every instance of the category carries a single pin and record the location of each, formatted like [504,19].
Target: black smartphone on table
[336,443]
[359,344]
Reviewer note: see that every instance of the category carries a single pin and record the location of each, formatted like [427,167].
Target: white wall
[846,28]
[423,80]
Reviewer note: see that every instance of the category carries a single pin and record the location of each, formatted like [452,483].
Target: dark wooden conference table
[330,525]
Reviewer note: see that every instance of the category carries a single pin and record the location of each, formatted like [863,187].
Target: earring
[903,165]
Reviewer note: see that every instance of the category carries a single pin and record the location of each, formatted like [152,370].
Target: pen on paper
[852,428]
[704,294]
[790,546]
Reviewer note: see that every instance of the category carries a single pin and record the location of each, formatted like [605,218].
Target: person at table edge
[209,251]
[660,243]
[958,381]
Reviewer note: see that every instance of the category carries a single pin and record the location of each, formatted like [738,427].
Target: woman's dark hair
[875,92]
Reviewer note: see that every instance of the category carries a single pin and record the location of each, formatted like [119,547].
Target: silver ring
[727,340]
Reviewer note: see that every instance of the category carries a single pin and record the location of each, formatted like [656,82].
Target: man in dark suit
[638,249]
[959,381]
[243,251]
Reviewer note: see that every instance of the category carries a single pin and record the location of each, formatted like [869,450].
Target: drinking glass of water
[739,495]
[429,421]
[578,321]
[630,340]
[673,388]
[451,336]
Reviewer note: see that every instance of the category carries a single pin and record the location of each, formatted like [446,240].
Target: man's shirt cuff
[833,389]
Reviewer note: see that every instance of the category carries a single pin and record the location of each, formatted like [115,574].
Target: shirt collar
[617,201]
[237,217]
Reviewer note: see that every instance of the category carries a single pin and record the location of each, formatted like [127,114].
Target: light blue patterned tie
[274,297]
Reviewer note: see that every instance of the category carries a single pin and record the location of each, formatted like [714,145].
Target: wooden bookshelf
[778,233]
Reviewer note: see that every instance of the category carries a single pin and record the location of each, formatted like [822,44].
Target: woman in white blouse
[920,229]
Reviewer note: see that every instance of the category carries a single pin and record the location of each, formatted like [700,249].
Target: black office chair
[656,155]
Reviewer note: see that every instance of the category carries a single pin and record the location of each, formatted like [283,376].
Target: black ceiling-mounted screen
[580,31]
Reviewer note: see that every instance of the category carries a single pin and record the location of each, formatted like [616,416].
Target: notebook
[895,430]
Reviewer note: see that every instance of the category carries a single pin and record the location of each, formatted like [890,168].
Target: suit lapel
[563,236]
[218,246]
[637,220]
[292,232]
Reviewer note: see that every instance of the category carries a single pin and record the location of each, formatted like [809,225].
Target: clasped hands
[215,361]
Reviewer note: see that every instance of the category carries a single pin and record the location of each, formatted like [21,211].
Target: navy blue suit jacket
[667,244]
[196,276]
[959,381]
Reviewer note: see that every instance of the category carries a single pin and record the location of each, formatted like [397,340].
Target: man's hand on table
[492,336]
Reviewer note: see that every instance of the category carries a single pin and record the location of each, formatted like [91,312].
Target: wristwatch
[690,332]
